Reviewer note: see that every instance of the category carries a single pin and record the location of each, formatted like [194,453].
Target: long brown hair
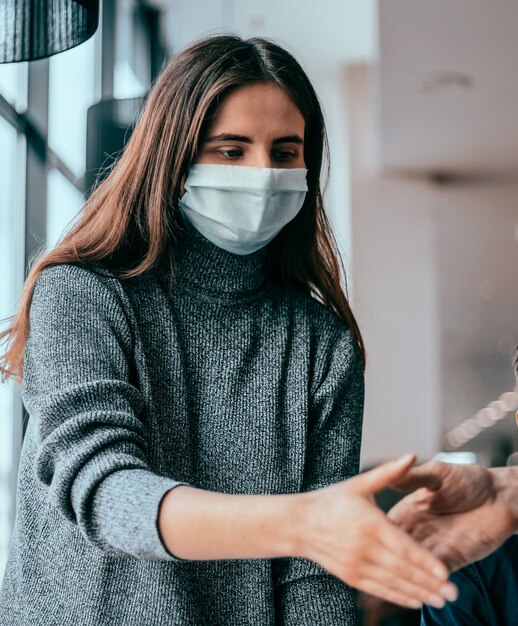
[130,220]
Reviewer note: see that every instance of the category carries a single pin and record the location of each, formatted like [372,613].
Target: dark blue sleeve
[488,592]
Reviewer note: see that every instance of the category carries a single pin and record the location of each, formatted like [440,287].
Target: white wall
[435,292]
[328,31]
[478,297]
[394,292]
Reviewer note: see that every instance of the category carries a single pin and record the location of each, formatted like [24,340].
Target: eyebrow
[229,137]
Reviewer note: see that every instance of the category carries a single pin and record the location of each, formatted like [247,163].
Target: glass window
[132,64]
[71,92]
[8,237]
[13,84]
[63,202]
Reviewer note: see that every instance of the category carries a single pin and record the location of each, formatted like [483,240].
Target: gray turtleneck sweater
[223,382]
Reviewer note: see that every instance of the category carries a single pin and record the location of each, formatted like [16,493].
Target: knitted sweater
[222,382]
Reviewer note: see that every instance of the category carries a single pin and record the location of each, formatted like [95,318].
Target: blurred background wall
[434,222]
[420,106]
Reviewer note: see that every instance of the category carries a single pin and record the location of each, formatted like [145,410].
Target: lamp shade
[109,126]
[34,29]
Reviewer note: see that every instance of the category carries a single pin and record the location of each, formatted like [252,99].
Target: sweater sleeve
[91,444]
[306,594]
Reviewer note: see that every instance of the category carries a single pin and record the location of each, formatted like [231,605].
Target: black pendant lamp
[34,29]
[109,126]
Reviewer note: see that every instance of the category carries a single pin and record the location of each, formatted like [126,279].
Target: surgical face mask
[241,209]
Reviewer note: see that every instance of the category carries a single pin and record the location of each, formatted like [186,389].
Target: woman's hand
[351,538]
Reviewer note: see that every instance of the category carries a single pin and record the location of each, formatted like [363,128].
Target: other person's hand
[461,513]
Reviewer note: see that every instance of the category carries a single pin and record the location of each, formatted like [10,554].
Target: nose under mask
[241,209]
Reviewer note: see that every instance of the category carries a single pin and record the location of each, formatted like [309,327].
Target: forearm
[506,483]
[202,525]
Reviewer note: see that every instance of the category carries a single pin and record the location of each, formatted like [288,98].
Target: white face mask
[241,209]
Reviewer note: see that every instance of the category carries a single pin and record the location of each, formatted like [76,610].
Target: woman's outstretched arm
[338,526]
[329,536]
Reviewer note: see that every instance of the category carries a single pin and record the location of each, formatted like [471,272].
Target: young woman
[194,377]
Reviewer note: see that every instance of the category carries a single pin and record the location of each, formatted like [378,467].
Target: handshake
[454,515]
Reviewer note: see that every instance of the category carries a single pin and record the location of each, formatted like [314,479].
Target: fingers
[384,475]
[409,510]
[400,571]
[379,583]
[382,591]
[429,475]
[393,572]
[401,544]
[398,576]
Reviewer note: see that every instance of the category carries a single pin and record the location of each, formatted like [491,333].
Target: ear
[182,185]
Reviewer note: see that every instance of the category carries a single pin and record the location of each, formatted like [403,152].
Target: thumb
[430,475]
[384,475]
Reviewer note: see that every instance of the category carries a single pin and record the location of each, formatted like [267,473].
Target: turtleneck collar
[202,265]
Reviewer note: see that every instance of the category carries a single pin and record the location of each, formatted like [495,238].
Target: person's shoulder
[72,284]
[82,300]
[69,272]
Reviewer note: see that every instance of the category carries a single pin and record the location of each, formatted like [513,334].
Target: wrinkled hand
[449,488]
[353,539]
[458,512]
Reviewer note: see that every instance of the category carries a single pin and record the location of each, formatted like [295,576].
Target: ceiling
[324,32]
[449,98]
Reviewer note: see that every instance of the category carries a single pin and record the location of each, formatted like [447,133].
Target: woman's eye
[230,154]
[284,155]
